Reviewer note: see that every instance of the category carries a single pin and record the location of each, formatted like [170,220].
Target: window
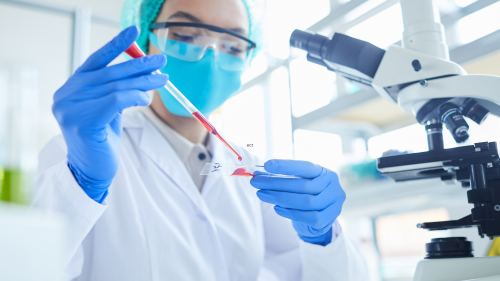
[479,24]
[284,16]
[279,121]
[320,148]
[382,30]
[401,245]
[414,138]
[362,9]
[243,121]
[464,3]
[312,86]
[258,66]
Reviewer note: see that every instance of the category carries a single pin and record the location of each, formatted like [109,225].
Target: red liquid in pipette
[242,172]
[211,130]
[135,52]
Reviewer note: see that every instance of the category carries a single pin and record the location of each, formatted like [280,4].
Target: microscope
[420,78]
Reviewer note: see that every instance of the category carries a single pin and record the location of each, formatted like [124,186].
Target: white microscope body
[420,77]
[423,40]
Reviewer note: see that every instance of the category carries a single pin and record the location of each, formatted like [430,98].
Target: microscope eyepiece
[455,122]
[472,109]
[308,41]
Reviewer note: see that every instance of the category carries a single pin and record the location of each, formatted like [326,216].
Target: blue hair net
[143,12]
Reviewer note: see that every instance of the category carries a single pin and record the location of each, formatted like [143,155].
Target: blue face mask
[202,82]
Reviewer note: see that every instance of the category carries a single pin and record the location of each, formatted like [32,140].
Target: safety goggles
[192,41]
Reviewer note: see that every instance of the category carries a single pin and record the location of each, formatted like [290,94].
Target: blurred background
[287,107]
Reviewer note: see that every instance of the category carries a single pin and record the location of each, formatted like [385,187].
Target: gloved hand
[313,202]
[89,106]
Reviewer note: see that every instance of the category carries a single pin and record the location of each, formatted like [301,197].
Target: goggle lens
[192,43]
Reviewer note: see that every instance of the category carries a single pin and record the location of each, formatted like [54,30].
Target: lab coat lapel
[219,155]
[159,150]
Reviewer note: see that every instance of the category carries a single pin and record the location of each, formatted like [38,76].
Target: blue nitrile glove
[313,202]
[89,106]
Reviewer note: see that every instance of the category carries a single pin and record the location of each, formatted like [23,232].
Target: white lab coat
[156,225]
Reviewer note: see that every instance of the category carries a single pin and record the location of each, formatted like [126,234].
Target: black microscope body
[475,167]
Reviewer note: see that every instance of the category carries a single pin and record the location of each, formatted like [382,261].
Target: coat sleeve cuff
[58,191]
[84,205]
[332,248]
[65,184]
[340,260]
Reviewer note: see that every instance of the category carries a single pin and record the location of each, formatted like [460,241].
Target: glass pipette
[135,52]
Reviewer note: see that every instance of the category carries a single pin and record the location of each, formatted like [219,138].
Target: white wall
[43,40]
[110,8]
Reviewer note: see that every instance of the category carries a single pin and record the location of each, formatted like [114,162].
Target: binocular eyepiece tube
[353,58]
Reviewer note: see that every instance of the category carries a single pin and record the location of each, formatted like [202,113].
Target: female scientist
[130,185]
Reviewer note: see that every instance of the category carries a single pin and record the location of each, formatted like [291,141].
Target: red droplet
[242,172]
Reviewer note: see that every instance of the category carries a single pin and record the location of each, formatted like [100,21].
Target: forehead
[228,14]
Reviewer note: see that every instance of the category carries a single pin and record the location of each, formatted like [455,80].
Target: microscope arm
[483,88]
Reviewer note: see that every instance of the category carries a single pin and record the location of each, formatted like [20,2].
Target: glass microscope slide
[233,170]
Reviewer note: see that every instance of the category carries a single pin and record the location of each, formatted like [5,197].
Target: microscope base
[458,269]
